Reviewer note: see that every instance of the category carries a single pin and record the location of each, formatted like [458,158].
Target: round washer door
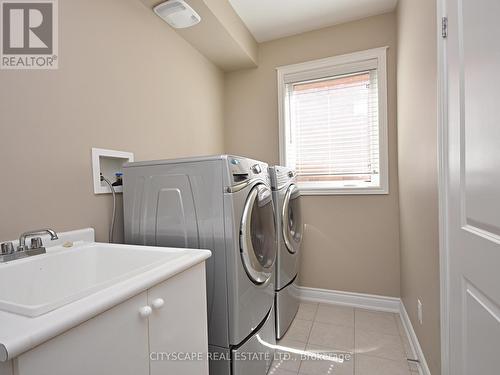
[258,235]
[292,219]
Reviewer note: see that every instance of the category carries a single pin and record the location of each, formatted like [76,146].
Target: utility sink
[36,285]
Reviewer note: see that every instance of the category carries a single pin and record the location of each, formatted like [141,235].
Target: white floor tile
[378,340]
[287,343]
[299,330]
[324,361]
[379,345]
[340,315]
[332,337]
[414,367]
[286,356]
[307,311]
[280,371]
[321,367]
[376,321]
[367,365]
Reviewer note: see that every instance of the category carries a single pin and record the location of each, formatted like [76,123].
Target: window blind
[333,129]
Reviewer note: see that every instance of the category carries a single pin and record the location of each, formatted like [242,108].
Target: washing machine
[222,203]
[289,229]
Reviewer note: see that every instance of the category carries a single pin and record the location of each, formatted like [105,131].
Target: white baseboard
[412,337]
[366,301]
[371,302]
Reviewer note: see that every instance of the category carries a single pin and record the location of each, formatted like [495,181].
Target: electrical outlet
[419,311]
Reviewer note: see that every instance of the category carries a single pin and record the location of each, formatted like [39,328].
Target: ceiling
[273,19]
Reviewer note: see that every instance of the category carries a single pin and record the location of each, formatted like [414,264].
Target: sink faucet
[22,238]
[7,252]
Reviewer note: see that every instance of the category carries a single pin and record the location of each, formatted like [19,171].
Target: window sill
[343,191]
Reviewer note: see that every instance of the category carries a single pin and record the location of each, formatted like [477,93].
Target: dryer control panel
[282,177]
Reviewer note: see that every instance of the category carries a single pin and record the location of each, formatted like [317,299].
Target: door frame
[443,186]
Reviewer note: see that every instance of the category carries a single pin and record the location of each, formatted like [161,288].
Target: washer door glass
[258,235]
[292,219]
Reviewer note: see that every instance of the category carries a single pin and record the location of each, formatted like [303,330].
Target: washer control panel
[242,169]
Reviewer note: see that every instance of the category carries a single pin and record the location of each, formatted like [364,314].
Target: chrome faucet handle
[36,243]
[7,248]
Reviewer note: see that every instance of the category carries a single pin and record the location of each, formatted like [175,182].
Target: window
[333,123]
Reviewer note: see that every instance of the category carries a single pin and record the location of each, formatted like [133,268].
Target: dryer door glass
[292,219]
[258,235]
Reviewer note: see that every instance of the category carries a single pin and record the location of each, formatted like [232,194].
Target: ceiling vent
[177,13]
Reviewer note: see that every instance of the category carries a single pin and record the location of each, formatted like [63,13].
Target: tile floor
[329,339]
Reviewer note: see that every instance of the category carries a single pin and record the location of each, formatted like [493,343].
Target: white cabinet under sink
[114,342]
[181,328]
[136,337]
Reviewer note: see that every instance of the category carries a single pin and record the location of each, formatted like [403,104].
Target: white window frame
[331,66]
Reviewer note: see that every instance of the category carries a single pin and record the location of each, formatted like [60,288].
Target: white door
[473,170]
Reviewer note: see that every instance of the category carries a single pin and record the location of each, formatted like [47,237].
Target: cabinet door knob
[158,303]
[145,311]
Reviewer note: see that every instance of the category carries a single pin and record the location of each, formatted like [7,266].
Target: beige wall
[417,140]
[126,81]
[351,243]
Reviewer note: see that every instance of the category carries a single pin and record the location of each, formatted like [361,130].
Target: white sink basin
[36,285]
